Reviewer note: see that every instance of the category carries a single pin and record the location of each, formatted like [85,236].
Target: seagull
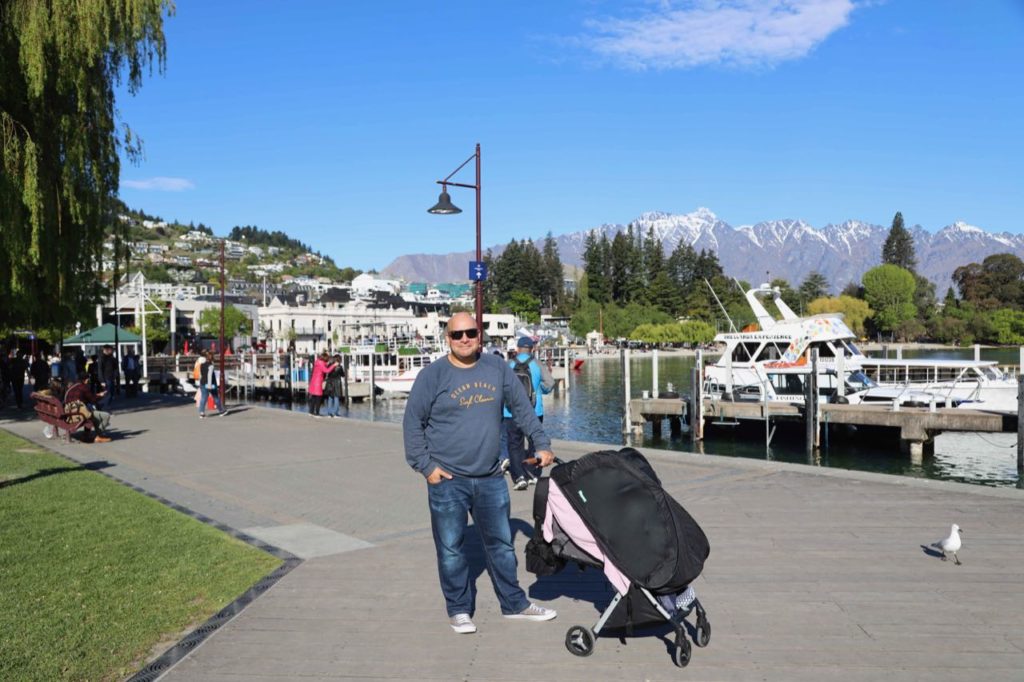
[950,545]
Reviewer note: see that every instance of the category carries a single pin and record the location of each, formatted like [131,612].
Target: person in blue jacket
[536,378]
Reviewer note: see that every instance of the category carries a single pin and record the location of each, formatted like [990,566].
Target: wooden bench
[50,410]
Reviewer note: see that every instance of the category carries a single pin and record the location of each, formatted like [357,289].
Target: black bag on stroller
[641,530]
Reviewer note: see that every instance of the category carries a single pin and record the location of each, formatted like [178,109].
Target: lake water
[592,411]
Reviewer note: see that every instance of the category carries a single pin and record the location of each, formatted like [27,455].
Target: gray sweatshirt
[453,417]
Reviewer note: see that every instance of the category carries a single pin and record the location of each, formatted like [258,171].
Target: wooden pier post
[654,375]
[811,407]
[697,400]
[373,377]
[1020,430]
[345,366]
[627,389]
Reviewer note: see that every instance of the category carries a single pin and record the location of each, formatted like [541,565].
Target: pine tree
[899,246]
[596,265]
[553,291]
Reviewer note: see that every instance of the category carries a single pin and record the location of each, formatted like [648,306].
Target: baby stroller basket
[608,510]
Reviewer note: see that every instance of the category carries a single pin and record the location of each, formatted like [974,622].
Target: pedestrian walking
[209,385]
[536,380]
[451,432]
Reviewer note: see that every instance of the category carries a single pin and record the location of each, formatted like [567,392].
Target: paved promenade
[813,574]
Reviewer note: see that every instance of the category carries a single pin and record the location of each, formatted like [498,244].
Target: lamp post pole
[220,341]
[445,206]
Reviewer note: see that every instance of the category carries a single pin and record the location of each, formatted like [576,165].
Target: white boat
[392,371]
[975,384]
[774,357]
[399,384]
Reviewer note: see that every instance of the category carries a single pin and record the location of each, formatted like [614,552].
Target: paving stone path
[814,574]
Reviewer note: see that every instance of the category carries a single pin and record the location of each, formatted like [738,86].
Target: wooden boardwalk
[814,574]
[917,426]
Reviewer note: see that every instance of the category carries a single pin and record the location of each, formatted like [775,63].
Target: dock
[917,426]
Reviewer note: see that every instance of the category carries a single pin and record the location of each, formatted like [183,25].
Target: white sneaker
[462,624]
[534,612]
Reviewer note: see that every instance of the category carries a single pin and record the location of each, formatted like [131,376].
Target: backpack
[522,372]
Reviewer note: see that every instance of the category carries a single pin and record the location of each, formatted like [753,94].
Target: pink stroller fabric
[569,521]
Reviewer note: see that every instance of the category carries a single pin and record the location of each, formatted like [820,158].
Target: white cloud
[744,33]
[160,184]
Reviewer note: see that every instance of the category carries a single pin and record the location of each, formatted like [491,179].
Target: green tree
[597,266]
[1008,326]
[998,281]
[552,293]
[854,310]
[158,329]
[61,145]
[664,294]
[889,290]
[235,322]
[899,246]
[815,285]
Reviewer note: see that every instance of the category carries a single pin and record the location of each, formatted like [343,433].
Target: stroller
[607,510]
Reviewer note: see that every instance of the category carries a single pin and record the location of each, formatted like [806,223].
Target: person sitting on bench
[80,392]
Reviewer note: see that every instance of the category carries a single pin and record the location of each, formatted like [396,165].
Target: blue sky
[332,120]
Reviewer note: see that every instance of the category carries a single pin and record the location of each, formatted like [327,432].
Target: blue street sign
[477,271]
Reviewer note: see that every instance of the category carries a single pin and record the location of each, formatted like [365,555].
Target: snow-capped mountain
[790,249]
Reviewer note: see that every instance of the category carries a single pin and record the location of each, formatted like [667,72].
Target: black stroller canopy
[640,528]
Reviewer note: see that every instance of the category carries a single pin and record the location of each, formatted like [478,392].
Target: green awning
[102,335]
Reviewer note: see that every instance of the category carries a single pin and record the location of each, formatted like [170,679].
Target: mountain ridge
[790,248]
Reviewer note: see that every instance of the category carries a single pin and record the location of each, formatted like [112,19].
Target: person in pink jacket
[316,383]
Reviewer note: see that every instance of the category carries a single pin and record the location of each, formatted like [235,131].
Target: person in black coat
[40,371]
[109,373]
[16,368]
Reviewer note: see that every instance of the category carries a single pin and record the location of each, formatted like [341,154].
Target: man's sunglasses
[456,334]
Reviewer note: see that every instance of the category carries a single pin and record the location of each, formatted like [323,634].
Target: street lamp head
[444,205]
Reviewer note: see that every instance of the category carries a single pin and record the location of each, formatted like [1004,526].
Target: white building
[328,325]
[366,284]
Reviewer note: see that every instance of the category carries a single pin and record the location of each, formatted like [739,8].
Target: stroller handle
[534,461]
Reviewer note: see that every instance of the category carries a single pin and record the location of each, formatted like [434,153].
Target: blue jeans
[204,394]
[486,499]
[334,405]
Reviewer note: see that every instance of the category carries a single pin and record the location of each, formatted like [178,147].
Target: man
[209,386]
[80,391]
[132,372]
[16,368]
[108,374]
[451,427]
[536,378]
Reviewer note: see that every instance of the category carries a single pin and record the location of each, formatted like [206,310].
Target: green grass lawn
[94,575]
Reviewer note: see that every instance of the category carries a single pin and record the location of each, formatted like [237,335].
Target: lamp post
[444,206]
[220,338]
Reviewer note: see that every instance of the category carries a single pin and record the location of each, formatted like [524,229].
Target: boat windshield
[860,381]
[992,373]
[851,348]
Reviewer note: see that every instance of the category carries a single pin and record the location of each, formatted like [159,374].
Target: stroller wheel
[703,632]
[579,641]
[681,654]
